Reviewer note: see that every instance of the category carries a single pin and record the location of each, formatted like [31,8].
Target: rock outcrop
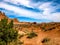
[2,16]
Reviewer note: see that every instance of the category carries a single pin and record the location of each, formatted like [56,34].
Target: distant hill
[43,26]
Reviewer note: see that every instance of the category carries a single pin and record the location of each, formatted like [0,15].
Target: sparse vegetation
[31,35]
[45,40]
[48,41]
[48,26]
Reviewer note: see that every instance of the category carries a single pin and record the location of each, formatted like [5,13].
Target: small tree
[7,33]
[11,24]
[3,23]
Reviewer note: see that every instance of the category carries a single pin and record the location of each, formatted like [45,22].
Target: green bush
[2,42]
[7,33]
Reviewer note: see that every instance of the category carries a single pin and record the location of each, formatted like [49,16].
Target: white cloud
[55,17]
[47,8]
[45,5]
[20,11]
[26,13]
[20,2]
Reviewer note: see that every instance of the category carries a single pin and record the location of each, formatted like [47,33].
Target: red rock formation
[15,20]
[2,16]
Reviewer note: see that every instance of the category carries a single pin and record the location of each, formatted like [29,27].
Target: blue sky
[32,10]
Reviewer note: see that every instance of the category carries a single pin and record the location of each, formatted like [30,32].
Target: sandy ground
[53,35]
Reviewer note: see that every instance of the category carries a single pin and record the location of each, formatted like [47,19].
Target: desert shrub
[31,35]
[48,41]
[43,28]
[51,28]
[34,23]
[45,40]
[7,33]
[20,42]
[20,36]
